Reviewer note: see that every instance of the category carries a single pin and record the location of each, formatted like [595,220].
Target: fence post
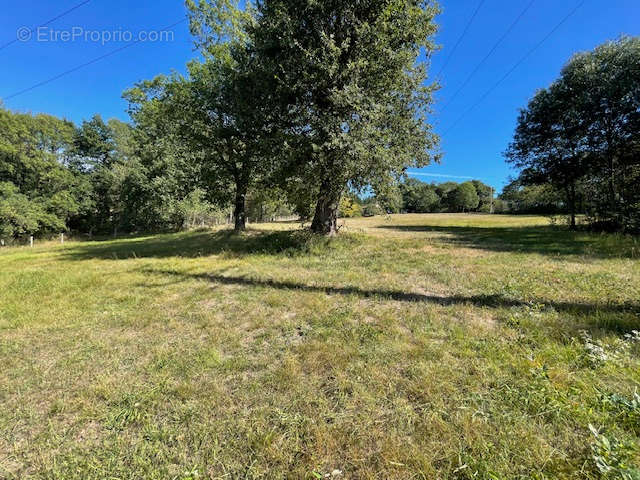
[31,241]
[62,238]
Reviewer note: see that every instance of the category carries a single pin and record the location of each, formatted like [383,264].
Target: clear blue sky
[472,149]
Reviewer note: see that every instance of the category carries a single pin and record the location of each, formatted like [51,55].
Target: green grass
[416,346]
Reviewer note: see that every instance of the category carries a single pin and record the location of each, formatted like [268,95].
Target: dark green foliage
[485,196]
[170,171]
[532,199]
[443,189]
[219,112]
[580,135]
[346,78]
[307,100]
[389,199]
[21,216]
[195,211]
[39,193]
[265,205]
[135,176]
[103,177]
[372,209]
[463,198]
[301,197]
[419,197]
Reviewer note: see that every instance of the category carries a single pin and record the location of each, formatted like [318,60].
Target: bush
[372,210]
[194,211]
[349,208]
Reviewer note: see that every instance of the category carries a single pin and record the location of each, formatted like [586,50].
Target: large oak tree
[350,82]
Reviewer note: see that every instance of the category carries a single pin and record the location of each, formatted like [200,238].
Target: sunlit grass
[418,346]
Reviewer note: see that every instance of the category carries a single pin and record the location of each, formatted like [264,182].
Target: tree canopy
[464,197]
[347,79]
[580,135]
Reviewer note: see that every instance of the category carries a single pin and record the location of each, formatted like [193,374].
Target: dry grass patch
[433,346]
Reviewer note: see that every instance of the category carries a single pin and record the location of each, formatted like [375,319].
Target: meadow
[409,347]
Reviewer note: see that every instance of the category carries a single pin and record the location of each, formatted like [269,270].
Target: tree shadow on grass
[194,244]
[545,240]
[624,317]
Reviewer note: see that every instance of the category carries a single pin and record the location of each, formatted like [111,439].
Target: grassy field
[416,346]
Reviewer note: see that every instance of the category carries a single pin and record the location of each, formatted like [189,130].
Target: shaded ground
[193,245]
[545,240]
[494,301]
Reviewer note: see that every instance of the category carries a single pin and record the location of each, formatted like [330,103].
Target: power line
[48,22]
[86,64]
[488,55]
[517,64]
[464,33]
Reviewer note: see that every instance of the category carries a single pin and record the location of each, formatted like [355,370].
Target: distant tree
[264,205]
[427,200]
[389,198]
[419,197]
[348,78]
[93,144]
[301,198]
[350,207]
[532,199]
[372,208]
[95,158]
[195,211]
[464,197]
[500,206]
[485,196]
[443,189]
[21,216]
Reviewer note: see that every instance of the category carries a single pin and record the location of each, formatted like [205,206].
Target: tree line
[104,178]
[301,107]
[293,104]
[579,139]
[414,196]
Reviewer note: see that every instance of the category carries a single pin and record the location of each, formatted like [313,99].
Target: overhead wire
[86,64]
[488,55]
[516,65]
[48,22]
[462,35]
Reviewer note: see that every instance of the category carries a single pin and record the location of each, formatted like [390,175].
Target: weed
[613,457]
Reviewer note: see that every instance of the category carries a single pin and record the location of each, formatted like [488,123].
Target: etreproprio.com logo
[80,34]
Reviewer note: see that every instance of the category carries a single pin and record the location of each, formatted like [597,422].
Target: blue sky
[472,149]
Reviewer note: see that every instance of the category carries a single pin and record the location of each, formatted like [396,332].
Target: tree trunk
[571,200]
[573,219]
[239,212]
[325,219]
